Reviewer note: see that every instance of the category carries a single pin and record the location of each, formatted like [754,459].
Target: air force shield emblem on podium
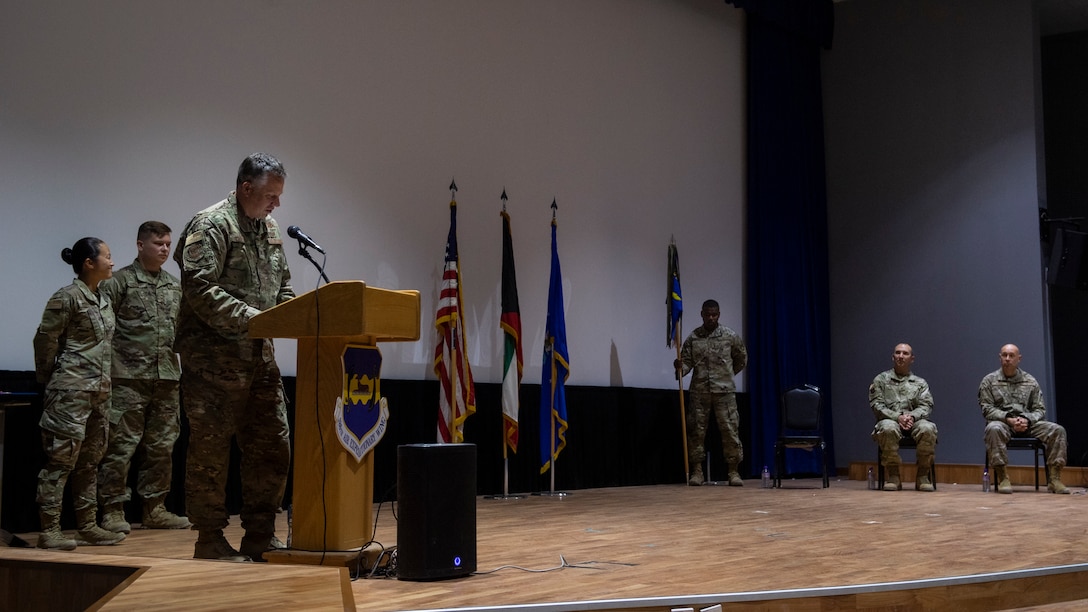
[361,412]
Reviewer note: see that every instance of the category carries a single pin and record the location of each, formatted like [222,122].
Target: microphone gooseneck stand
[305,253]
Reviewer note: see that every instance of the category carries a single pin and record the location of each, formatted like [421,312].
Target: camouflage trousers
[724,407]
[225,399]
[887,433]
[71,452]
[997,436]
[144,415]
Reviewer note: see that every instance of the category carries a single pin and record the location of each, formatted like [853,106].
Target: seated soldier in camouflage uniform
[902,404]
[1012,402]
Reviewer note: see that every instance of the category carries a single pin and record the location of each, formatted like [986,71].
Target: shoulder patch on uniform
[194,237]
[54,304]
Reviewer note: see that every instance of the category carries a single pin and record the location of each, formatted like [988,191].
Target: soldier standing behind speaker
[232,268]
[72,358]
[144,411]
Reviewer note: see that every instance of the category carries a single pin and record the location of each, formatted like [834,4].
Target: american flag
[457,395]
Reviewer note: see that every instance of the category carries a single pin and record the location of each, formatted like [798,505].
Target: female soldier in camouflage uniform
[72,355]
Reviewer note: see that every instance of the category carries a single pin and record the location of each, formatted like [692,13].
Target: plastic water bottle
[985,481]
[872,480]
[765,481]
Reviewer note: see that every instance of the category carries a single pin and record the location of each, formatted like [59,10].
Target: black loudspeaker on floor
[436,511]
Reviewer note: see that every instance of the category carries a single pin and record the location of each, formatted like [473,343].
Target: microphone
[305,240]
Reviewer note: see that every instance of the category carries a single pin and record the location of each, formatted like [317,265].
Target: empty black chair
[800,427]
[1025,443]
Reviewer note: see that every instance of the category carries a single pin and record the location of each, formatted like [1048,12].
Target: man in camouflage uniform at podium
[233,267]
[145,410]
[902,404]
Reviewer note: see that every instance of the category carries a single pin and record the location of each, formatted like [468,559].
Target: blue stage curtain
[787,271]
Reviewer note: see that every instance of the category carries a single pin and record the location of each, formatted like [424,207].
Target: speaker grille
[436,511]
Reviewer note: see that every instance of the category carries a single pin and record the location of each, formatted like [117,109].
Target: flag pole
[551,403]
[505,471]
[502,432]
[683,413]
[505,477]
[551,458]
[676,318]
[454,380]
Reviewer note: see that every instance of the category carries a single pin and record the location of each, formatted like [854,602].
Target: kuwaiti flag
[457,395]
[674,304]
[553,378]
[510,322]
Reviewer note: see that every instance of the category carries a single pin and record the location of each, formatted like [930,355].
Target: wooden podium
[325,322]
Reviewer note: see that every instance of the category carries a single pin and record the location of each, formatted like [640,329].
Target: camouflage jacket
[72,347]
[146,307]
[891,395]
[714,358]
[232,268]
[1001,397]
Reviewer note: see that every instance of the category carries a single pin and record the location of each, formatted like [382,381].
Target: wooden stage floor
[671,546]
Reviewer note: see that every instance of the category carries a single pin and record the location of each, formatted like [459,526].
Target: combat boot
[254,545]
[51,536]
[156,516]
[90,533]
[211,544]
[924,480]
[734,476]
[696,478]
[891,478]
[1001,475]
[113,518]
[923,483]
[1055,485]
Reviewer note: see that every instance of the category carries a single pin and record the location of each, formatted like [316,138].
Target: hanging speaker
[436,511]
[1066,266]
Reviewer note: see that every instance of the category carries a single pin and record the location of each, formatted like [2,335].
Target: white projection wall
[629,113]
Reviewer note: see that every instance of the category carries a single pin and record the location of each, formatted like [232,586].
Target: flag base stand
[552,494]
[504,497]
[713,483]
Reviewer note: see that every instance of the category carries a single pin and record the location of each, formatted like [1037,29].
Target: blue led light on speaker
[457,561]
